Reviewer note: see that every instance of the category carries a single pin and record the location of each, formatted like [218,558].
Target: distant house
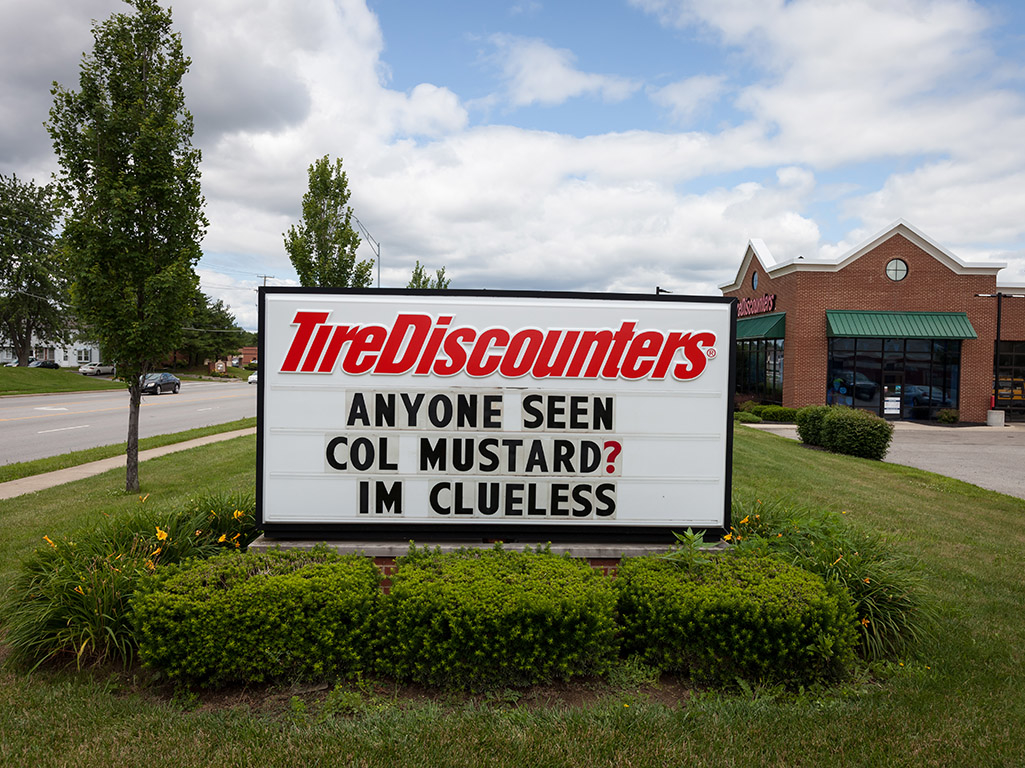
[67,356]
[246,355]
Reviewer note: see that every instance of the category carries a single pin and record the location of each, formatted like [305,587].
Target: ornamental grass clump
[756,619]
[70,597]
[255,617]
[476,619]
[891,614]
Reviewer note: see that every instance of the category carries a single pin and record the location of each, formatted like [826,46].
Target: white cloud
[686,98]
[903,86]
[537,73]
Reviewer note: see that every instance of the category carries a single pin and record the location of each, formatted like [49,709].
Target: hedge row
[845,430]
[476,619]
[755,618]
[776,413]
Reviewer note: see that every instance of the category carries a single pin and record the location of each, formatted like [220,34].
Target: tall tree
[213,333]
[420,278]
[323,246]
[33,275]
[131,177]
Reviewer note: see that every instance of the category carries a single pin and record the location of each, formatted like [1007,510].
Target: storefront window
[1010,390]
[895,378]
[760,369]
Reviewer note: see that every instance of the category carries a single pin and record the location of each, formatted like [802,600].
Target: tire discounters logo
[393,414]
[425,345]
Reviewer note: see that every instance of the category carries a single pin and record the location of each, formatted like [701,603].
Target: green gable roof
[898,325]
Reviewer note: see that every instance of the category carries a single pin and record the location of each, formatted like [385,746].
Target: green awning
[899,325]
[770,326]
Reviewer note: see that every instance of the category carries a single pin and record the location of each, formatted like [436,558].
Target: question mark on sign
[615,448]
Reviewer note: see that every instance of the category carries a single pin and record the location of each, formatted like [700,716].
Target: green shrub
[71,596]
[948,416]
[756,408]
[778,413]
[241,618]
[890,611]
[744,417]
[855,433]
[809,423]
[747,406]
[481,618]
[749,618]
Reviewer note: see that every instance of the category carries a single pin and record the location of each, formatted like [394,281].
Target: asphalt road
[989,457]
[36,426]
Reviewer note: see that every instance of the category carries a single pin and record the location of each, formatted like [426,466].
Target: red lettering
[342,334]
[477,365]
[420,344]
[543,365]
[366,341]
[306,321]
[620,339]
[599,342]
[433,345]
[640,357]
[694,351]
[456,352]
[523,349]
[419,325]
[310,363]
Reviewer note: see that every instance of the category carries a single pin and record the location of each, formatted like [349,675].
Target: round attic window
[754,281]
[896,269]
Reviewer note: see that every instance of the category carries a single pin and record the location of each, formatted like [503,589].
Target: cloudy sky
[571,145]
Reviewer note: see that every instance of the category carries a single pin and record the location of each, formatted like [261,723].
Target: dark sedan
[44,364]
[155,383]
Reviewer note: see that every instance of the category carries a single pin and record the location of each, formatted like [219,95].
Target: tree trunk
[132,450]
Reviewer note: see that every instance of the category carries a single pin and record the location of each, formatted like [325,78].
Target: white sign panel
[398,414]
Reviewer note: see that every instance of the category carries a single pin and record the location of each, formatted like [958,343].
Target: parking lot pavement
[989,457]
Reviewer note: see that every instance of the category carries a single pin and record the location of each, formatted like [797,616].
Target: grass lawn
[960,704]
[63,461]
[38,381]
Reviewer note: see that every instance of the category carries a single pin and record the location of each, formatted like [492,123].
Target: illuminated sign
[400,414]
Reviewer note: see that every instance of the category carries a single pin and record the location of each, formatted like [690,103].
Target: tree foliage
[131,177]
[421,279]
[322,247]
[33,275]
[212,334]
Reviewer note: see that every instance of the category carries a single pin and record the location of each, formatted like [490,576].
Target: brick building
[898,326]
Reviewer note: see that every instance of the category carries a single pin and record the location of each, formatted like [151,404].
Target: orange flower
[50,542]
[161,534]
[865,622]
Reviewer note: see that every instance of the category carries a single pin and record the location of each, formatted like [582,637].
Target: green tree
[213,333]
[323,246]
[131,178]
[421,279]
[33,273]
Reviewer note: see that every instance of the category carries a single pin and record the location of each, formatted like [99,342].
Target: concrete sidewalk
[989,457]
[34,483]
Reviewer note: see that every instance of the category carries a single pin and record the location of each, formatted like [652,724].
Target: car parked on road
[255,378]
[44,364]
[96,369]
[155,383]
[14,363]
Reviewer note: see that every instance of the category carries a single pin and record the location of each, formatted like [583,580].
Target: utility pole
[374,245]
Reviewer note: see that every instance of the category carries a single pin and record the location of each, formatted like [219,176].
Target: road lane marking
[48,408]
[120,407]
[63,429]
